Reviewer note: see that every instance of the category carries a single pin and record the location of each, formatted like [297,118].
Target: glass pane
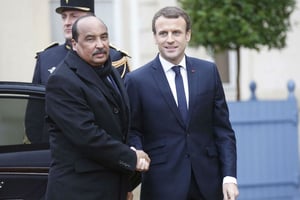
[222,61]
[12,120]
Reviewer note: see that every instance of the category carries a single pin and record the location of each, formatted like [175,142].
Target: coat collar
[81,68]
[88,74]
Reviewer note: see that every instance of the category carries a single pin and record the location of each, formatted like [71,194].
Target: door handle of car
[1,184]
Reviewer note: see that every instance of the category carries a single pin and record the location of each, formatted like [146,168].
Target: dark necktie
[113,84]
[113,88]
[181,99]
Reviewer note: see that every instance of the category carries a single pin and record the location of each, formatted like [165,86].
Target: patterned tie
[181,99]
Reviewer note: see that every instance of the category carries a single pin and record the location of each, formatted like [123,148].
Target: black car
[24,147]
[24,163]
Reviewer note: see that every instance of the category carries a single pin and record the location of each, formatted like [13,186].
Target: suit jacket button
[116,110]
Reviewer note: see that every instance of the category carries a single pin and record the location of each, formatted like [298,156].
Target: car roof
[21,88]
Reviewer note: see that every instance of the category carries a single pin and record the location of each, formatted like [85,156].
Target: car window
[12,121]
[22,118]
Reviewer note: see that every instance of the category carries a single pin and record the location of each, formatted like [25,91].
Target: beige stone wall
[138,38]
[24,30]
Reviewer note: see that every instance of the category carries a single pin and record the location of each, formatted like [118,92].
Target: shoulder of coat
[117,49]
[51,45]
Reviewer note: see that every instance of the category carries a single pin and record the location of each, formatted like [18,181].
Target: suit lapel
[192,74]
[162,84]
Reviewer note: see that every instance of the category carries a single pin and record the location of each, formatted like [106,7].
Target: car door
[24,148]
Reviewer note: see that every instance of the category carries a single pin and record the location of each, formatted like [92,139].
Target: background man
[48,60]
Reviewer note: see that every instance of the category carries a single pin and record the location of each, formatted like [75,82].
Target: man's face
[93,42]
[171,38]
[68,18]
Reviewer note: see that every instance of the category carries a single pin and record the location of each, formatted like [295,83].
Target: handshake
[143,160]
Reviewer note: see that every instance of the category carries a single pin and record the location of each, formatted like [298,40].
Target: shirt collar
[167,65]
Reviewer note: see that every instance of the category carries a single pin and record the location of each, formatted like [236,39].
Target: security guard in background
[49,58]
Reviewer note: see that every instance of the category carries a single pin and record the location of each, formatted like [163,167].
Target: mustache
[100,51]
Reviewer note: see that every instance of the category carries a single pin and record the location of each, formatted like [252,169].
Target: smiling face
[92,42]
[171,38]
[68,18]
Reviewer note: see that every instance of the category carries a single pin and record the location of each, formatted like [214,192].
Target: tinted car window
[12,121]
[21,120]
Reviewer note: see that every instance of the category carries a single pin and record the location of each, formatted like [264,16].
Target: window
[21,116]
[222,61]
[227,65]
[12,113]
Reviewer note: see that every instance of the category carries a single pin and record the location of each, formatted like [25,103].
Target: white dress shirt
[170,74]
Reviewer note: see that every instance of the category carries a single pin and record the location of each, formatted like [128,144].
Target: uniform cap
[82,5]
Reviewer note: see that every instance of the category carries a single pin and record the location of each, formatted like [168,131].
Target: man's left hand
[129,196]
[230,191]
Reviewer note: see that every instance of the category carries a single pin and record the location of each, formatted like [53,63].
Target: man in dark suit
[180,119]
[48,59]
[88,117]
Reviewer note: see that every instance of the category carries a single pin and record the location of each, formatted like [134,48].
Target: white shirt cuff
[229,179]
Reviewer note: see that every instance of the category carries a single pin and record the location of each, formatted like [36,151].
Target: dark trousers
[194,192]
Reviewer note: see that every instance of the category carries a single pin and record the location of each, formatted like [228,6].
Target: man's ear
[155,40]
[73,42]
[188,35]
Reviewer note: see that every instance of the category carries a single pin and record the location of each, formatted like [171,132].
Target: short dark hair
[172,12]
[75,33]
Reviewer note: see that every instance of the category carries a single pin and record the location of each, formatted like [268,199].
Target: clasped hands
[143,160]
